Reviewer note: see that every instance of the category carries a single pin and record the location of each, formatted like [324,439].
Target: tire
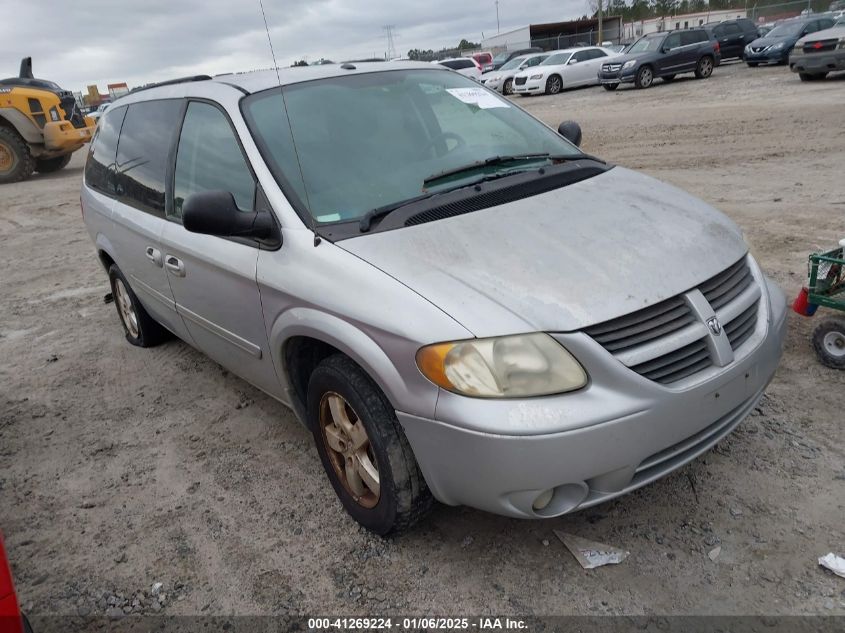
[704,67]
[49,165]
[338,385]
[668,78]
[811,76]
[645,77]
[610,87]
[16,162]
[554,85]
[829,342]
[752,64]
[507,87]
[140,328]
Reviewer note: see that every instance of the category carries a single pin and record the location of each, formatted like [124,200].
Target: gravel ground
[121,468]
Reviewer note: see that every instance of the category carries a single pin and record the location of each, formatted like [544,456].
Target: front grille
[520,81]
[759,49]
[611,68]
[821,46]
[667,342]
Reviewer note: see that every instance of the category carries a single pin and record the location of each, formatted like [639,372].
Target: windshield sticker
[478,97]
[331,217]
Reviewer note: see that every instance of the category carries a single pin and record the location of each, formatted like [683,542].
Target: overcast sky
[78,42]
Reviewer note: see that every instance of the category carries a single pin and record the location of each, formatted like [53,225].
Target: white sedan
[502,80]
[464,65]
[567,68]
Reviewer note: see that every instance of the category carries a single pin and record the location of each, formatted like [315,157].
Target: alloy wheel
[125,308]
[705,67]
[349,450]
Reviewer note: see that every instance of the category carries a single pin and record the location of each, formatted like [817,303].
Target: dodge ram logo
[714,325]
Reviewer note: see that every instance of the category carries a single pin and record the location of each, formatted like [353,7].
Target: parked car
[733,36]
[663,55]
[11,619]
[465,65]
[424,291]
[485,60]
[567,68]
[503,58]
[819,53]
[96,114]
[502,79]
[775,47]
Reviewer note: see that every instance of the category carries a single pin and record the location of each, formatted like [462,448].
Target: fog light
[543,499]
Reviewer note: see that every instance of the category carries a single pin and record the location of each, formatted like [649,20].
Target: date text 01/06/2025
[416,623]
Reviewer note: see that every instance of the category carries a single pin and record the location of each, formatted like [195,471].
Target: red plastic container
[10,613]
[802,304]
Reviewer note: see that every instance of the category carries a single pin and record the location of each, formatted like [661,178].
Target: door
[140,171]
[596,58]
[213,278]
[672,59]
[577,69]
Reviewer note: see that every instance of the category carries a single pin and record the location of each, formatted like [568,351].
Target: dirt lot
[122,467]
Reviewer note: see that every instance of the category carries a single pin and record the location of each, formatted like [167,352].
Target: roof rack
[170,82]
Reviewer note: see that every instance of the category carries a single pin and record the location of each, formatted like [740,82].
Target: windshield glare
[785,29]
[556,60]
[514,63]
[365,141]
[646,44]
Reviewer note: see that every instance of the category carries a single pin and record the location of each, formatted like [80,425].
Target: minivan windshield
[646,44]
[366,141]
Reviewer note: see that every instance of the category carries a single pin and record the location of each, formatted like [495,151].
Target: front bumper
[769,56]
[62,137]
[619,433]
[492,83]
[618,77]
[531,86]
[818,62]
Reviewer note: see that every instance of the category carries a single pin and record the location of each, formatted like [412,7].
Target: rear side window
[210,159]
[142,153]
[732,28]
[101,156]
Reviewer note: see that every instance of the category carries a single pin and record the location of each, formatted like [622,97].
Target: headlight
[629,63]
[842,42]
[505,367]
[778,46]
[540,76]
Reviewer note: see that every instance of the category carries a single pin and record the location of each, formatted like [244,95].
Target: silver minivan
[455,300]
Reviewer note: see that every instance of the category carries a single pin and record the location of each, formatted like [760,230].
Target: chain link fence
[785,10]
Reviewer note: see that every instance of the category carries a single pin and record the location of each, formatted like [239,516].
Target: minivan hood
[563,260]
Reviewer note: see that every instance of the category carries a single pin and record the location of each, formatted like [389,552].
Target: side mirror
[571,131]
[572,61]
[216,213]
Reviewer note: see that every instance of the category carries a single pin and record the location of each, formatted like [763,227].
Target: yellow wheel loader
[40,126]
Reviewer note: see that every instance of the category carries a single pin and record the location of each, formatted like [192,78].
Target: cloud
[107,41]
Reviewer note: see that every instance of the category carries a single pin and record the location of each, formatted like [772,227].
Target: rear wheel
[141,330]
[610,86]
[16,162]
[645,77]
[507,88]
[554,85]
[668,77]
[704,68]
[829,342]
[49,165]
[363,449]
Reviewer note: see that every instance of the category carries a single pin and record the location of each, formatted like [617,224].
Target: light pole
[498,28]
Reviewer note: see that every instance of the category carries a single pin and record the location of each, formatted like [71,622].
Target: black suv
[662,55]
[733,36]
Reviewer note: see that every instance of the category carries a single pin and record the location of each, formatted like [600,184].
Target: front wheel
[16,162]
[49,165]
[363,449]
[829,342]
[645,77]
[507,88]
[704,68]
[610,86]
[554,85]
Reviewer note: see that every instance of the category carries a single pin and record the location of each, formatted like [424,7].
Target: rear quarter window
[99,173]
[142,153]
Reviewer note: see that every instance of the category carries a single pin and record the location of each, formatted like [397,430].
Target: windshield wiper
[366,220]
[493,160]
